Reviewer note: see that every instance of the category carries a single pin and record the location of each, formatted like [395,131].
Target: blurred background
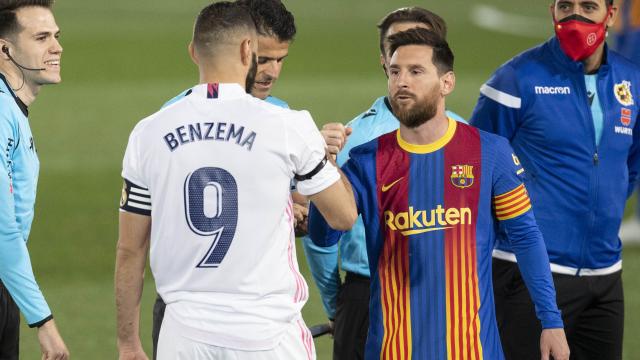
[123,59]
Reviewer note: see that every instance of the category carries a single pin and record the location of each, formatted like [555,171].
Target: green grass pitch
[123,59]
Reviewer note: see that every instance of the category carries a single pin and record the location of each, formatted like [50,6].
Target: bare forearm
[129,279]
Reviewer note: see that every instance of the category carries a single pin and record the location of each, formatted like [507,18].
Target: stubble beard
[420,112]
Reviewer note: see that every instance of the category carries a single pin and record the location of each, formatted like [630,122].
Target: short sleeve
[308,155]
[136,197]
[132,164]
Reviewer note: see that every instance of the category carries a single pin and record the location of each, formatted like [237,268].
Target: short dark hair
[412,14]
[9,21]
[217,21]
[272,18]
[442,54]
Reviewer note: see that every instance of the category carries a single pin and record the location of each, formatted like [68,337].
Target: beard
[420,112]
[251,75]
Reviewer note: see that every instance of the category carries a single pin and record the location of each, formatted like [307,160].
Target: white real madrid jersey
[213,170]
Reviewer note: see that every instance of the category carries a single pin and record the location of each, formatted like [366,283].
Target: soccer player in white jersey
[207,191]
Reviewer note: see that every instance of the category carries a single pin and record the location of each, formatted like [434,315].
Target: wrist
[47,320]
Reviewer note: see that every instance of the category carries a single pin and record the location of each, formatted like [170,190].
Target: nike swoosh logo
[386,188]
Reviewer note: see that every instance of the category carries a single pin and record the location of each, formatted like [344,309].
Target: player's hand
[553,345]
[300,214]
[335,135]
[132,352]
[51,343]
[332,326]
[137,355]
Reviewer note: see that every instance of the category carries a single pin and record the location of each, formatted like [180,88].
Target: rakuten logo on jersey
[414,222]
[552,90]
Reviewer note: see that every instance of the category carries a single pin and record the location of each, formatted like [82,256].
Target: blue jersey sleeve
[633,161]
[513,209]
[323,263]
[498,107]
[15,265]
[319,231]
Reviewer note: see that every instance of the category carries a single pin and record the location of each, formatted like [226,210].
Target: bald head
[220,25]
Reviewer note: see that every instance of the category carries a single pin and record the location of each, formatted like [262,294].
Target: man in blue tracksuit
[347,304]
[29,58]
[570,109]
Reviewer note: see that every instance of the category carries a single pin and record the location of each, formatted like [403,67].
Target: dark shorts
[352,318]
[158,315]
[592,310]
[9,326]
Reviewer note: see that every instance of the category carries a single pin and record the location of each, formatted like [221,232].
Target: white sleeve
[132,164]
[136,197]
[307,152]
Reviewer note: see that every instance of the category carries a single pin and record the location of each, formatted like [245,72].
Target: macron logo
[553,90]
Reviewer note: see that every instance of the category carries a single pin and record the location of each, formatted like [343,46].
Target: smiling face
[36,45]
[271,55]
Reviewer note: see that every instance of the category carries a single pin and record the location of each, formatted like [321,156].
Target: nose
[273,68]
[56,48]
[402,81]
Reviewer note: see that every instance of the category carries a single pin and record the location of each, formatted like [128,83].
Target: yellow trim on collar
[429,148]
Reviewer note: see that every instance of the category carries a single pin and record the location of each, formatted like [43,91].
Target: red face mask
[580,39]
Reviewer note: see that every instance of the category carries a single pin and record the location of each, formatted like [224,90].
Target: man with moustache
[346,303]
[29,58]
[430,195]
[570,109]
[220,237]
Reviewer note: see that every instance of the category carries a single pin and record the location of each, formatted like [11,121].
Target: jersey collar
[575,66]
[428,148]
[4,87]
[219,91]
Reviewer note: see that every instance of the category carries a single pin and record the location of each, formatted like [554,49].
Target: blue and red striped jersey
[430,214]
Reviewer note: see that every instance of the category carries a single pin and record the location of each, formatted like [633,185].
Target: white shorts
[296,344]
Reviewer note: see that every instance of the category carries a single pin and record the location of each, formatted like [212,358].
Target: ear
[246,52]
[613,15]
[384,66]
[447,83]
[3,44]
[193,54]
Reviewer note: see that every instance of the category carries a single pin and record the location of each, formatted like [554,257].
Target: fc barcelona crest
[462,176]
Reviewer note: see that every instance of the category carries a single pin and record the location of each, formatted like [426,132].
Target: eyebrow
[267,58]
[46,33]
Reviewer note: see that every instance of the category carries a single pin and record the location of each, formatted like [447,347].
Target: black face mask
[578,18]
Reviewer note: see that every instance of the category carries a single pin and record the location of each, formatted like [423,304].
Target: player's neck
[427,133]
[222,74]
[24,89]
[593,62]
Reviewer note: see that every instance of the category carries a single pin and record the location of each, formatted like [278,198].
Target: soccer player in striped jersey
[30,58]
[345,303]
[431,195]
[207,192]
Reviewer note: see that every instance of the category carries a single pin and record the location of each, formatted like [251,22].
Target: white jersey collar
[219,90]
